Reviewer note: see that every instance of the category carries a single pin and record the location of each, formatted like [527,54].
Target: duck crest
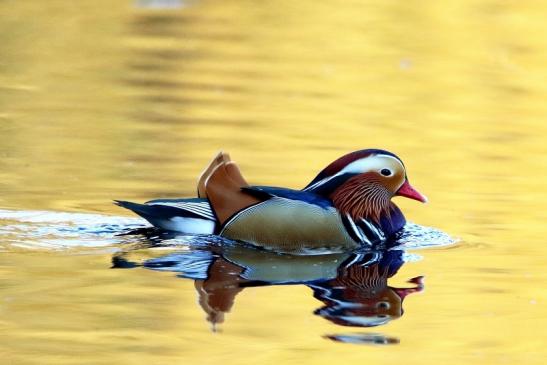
[363,197]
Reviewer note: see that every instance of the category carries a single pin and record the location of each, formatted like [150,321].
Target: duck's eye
[386,172]
[383,305]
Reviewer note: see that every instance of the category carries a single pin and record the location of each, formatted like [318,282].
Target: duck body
[287,220]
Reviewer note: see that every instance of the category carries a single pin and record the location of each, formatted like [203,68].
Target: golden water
[103,100]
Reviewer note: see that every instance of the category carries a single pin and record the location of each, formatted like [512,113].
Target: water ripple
[415,236]
[61,230]
[58,230]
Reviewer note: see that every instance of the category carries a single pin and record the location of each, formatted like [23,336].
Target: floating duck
[347,206]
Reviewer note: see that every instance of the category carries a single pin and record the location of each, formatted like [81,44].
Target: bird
[346,206]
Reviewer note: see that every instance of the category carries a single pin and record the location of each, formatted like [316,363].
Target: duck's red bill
[408,191]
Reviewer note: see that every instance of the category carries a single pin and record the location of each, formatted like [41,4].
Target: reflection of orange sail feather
[217,293]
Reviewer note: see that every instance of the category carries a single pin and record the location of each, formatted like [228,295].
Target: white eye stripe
[370,163]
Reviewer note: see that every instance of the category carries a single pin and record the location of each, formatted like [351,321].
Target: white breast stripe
[358,231]
[379,234]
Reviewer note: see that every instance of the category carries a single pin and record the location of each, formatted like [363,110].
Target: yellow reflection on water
[103,100]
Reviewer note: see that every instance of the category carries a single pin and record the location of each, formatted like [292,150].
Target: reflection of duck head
[360,297]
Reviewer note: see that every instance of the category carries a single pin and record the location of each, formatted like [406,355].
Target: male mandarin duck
[347,206]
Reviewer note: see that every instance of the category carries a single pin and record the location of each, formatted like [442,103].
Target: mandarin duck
[346,206]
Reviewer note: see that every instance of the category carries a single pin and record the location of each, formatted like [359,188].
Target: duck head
[363,182]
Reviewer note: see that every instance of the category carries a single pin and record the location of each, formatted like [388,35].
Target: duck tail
[180,215]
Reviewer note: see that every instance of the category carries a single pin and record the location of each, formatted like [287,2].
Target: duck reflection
[359,295]
[353,287]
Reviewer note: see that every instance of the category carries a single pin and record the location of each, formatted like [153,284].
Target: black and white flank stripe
[363,231]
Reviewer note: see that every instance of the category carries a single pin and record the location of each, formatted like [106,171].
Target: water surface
[129,100]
